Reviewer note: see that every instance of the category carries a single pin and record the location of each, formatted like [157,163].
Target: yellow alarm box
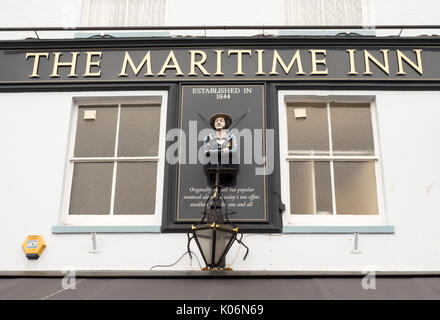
[33,246]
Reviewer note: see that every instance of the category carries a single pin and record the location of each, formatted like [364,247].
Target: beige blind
[125,183]
[346,184]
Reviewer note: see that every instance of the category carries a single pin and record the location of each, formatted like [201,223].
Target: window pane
[91,188]
[204,238]
[139,130]
[135,188]
[355,187]
[307,129]
[310,187]
[96,138]
[352,132]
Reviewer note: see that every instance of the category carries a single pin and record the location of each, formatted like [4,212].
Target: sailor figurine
[220,147]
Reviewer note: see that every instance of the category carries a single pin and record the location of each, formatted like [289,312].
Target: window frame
[287,96]
[94,99]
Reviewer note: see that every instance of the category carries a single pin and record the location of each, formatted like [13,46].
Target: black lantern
[214,234]
[214,241]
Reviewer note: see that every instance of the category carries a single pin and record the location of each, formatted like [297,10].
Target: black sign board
[246,194]
[246,63]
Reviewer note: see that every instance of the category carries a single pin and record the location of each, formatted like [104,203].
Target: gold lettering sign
[218,71]
[277,59]
[36,56]
[316,61]
[369,57]
[90,64]
[260,63]
[239,60]
[198,64]
[418,67]
[351,63]
[127,60]
[166,65]
[71,64]
[351,53]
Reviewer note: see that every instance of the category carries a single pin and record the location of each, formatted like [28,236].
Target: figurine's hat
[228,119]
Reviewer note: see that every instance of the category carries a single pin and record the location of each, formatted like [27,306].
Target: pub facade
[336,166]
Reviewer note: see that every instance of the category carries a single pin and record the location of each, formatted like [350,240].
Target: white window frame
[144,97]
[289,219]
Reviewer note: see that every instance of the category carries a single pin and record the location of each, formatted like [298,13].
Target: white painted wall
[34,136]
[35,130]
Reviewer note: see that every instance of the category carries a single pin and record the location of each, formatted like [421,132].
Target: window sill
[106,229]
[339,229]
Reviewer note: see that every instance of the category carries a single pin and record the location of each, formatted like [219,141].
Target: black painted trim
[169,206]
[304,85]
[216,41]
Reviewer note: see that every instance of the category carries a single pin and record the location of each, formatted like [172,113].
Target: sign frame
[273,204]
